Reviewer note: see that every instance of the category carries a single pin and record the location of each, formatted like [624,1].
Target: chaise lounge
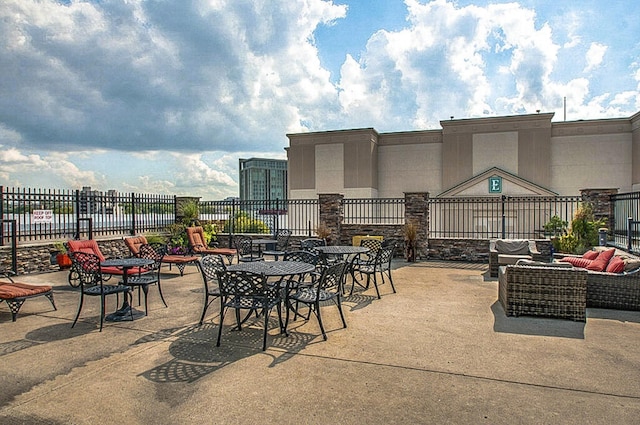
[181,261]
[16,293]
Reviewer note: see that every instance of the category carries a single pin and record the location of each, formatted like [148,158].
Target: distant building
[263,179]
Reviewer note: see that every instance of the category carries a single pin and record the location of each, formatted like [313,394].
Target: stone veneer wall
[472,250]
[600,199]
[37,258]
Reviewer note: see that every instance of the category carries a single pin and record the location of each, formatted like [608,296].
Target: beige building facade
[530,154]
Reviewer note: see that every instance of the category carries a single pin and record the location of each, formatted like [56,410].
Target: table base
[124,315]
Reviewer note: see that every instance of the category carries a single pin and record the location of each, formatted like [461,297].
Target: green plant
[59,246]
[190,213]
[210,231]
[243,223]
[556,226]
[156,239]
[583,233]
[178,241]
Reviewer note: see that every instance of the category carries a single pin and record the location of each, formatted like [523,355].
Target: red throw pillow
[600,263]
[590,255]
[577,261]
[616,265]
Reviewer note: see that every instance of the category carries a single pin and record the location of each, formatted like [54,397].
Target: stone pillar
[600,200]
[332,214]
[416,210]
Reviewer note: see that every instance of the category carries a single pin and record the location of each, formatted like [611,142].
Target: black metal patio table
[262,243]
[279,269]
[126,312]
[274,268]
[348,253]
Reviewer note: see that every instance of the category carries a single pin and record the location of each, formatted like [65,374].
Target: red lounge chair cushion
[90,247]
[134,244]
[178,259]
[10,290]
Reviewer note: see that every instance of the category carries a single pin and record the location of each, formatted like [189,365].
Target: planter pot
[64,261]
[410,253]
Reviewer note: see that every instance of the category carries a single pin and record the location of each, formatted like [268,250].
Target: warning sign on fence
[42,216]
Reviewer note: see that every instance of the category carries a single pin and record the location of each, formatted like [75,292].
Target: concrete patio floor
[441,350]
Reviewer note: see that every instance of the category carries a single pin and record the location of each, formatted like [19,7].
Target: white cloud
[165,96]
[595,56]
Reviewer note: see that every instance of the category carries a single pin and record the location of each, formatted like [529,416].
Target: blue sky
[164,96]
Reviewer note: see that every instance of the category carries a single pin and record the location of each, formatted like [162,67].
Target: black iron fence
[46,214]
[514,217]
[301,216]
[626,226]
[374,211]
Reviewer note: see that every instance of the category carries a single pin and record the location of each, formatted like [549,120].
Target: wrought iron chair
[282,236]
[92,284]
[310,244]
[209,266]
[327,288]
[248,291]
[379,264]
[244,247]
[151,276]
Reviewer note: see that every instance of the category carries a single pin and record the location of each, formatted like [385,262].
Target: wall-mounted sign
[42,216]
[495,184]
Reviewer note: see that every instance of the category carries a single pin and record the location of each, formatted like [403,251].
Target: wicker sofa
[543,290]
[619,291]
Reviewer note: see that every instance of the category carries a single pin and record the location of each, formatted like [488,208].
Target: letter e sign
[495,184]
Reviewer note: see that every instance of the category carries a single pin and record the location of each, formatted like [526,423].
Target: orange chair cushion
[13,290]
[90,247]
[134,244]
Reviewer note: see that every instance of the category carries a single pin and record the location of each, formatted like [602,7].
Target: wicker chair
[508,251]
[559,292]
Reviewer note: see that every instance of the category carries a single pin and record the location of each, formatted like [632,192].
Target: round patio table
[274,268]
[126,312]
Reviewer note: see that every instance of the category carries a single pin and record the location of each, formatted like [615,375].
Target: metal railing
[70,210]
[110,213]
[301,216]
[626,226]
[497,217]
[374,211]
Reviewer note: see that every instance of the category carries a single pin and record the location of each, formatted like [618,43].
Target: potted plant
[323,232]
[62,257]
[410,232]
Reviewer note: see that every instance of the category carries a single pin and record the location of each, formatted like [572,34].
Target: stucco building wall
[558,157]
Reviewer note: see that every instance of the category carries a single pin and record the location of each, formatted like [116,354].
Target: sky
[164,96]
